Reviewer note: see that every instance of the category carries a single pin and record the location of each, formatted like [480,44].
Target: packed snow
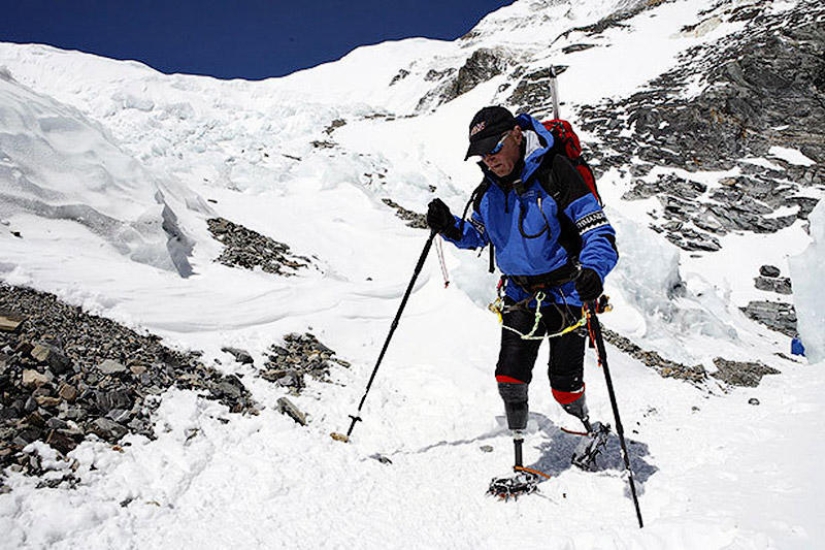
[108,171]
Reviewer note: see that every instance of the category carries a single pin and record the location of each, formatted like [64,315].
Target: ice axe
[357,416]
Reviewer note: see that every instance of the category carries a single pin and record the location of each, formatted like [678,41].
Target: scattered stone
[61,442]
[486,448]
[695,374]
[138,370]
[301,356]
[10,322]
[63,377]
[33,378]
[247,249]
[383,459]
[753,401]
[287,407]
[50,355]
[108,430]
[108,400]
[241,356]
[413,219]
[110,366]
[762,88]
[47,401]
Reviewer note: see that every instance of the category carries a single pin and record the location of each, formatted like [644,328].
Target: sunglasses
[500,145]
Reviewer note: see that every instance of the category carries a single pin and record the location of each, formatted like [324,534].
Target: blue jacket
[537,236]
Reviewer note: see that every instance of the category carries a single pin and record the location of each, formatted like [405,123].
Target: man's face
[502,163]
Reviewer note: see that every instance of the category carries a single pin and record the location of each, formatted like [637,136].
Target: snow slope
[139,148]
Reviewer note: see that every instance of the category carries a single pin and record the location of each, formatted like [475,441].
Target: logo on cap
[477,128]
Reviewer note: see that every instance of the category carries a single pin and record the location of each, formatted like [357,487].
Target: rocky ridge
[731,373]
[67,375]
[762,88]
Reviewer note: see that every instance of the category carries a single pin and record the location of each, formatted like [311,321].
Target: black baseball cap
[487,128]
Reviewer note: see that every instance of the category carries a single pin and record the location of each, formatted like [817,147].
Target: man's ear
[518,134]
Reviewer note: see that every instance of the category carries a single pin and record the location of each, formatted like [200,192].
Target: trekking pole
[357,416]
[595,330]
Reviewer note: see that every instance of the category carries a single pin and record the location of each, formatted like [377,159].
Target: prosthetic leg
[525,480]
[593,440]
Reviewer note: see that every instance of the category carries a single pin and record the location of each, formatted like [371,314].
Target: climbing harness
[499,307]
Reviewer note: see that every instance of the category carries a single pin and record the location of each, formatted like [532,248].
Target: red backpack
[566,142]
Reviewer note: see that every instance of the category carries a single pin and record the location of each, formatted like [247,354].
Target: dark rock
[402,74]
[56,424]
[769,271]
[53,357]
[482,65]
[738,373]
[108,400]
[301,356]
[248,249]
[106,403]
[695,374]
[61,442]
[764,87]
[413,219]
[241,356]
[572,48]
[776,316]
[227,389]
[76,413]
[27,435]
[287,407]
[780,285]
[67,392]
[108,430]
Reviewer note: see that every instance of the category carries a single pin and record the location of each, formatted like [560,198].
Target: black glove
[440,219]
[589,285]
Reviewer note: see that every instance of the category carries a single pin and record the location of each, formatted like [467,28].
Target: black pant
[518,356]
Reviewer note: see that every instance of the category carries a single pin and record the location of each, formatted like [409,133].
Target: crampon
[523,482]
[584,457]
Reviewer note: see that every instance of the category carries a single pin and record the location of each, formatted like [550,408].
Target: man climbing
[553,245]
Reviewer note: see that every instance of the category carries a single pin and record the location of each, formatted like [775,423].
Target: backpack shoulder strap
[555,180]
[475,200]
[478,194]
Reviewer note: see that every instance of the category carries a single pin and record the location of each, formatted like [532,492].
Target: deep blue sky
[249,39]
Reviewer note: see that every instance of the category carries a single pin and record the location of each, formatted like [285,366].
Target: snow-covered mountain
[141,196]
